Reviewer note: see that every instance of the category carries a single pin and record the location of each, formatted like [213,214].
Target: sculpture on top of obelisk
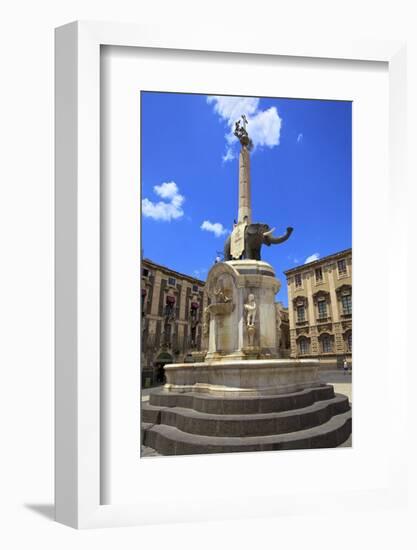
[247,238]
[245,207]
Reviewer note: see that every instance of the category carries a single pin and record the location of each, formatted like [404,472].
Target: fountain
[243,396]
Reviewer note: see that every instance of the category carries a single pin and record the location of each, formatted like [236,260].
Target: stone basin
[249,377]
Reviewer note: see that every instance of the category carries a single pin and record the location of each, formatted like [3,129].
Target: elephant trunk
[269,239]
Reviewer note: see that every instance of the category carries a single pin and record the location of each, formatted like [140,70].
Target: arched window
[344,295]
[322,302]
[347,304]
[303,345]
[301,314]
[326,343]
[300,307]
[322,309]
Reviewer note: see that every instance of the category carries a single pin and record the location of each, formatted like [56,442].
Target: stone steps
[212,404]
[194,423]
[246,425]
[169,440]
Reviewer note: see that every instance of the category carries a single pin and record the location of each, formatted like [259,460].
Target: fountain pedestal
[240,331]
[230,284]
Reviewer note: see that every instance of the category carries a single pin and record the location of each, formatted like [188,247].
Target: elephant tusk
[281,239]
[267,233]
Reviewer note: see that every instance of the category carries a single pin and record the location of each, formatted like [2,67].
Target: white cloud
[229,155]
[164,211]
[300,138]
[264,127]
[200,272]
[312,258]
[216,228]
[231,108]
[167,190]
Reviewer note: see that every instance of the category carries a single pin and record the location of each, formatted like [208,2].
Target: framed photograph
[217,198]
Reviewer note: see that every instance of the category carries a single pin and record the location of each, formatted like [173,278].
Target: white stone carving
[250,309]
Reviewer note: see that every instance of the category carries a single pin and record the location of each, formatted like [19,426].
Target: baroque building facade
[172,306]
[320,309]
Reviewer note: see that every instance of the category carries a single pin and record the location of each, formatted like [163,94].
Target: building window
[143,296]
[194,311]
[171,281]
[347,304]
[301,314]
[322,309]
[303,346]
[170,307]
[298,281]
[145,272]
[349,341]
[195,288]
[319,274]
[326,343]
[341,267]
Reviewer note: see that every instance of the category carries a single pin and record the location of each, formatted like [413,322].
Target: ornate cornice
[343,290]
[300,301]
[321,294]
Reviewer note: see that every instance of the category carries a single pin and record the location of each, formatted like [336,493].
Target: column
[337,325]
[245,209]
[313,332]
[155,294]
[291,318]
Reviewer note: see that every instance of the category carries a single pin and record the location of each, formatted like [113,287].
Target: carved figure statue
[242,134]
[250,308]
[256,234]
[221,296]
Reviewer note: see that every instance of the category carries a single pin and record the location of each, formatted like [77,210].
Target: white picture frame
[78,405]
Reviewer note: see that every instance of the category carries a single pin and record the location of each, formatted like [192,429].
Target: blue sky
[301,172]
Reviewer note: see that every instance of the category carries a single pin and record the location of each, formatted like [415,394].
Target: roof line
[320,260]
[178,273]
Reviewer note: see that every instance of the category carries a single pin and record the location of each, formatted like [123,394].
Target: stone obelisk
[237,241]
[245,207]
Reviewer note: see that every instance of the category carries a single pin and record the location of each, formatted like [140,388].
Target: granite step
[169,440]
[212,404]
[246,425]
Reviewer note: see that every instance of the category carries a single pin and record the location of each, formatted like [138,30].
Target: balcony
[323,319]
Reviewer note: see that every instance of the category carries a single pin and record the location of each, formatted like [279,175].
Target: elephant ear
[252,229]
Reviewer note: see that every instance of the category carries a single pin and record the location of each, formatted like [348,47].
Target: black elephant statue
[256,234]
